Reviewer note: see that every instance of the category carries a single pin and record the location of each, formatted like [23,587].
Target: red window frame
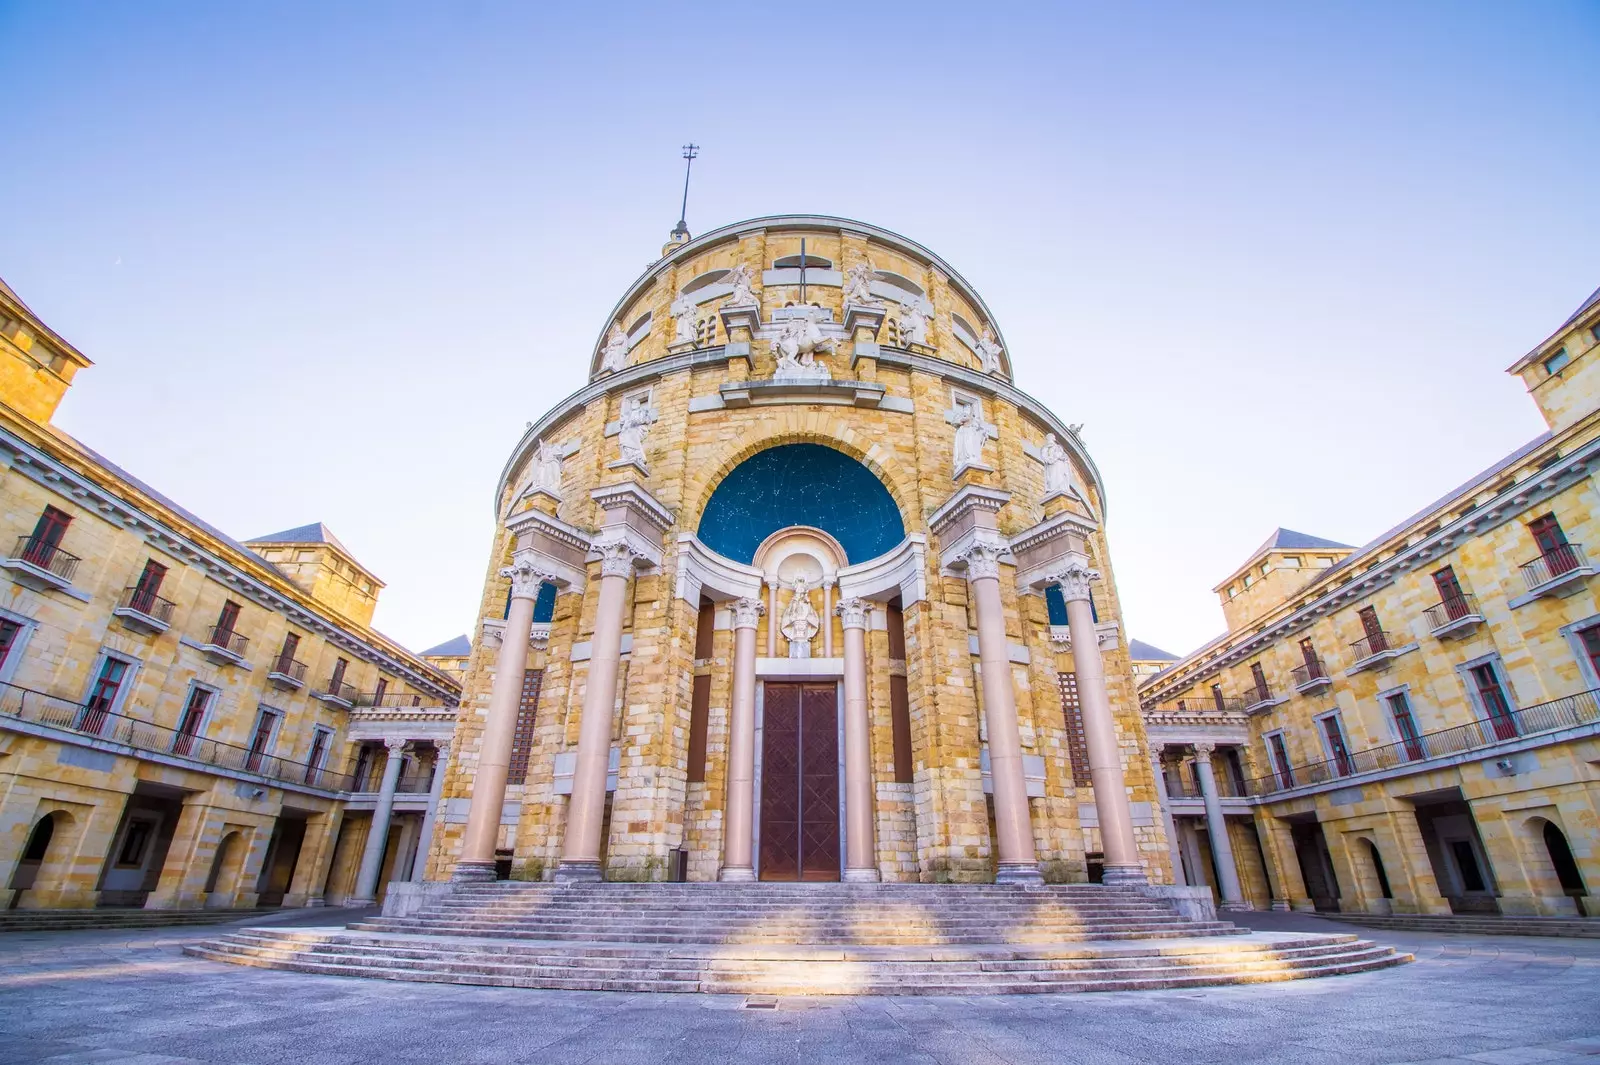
[319,747]
[1372,629]
[1333,729]
[9,631]
[1553,546]
[194,713]
[103,696]
[1405,723]
[380,691]
[266,720]
[1450,593]
[148,586]
[1589,636]
[291,644]
[339,666]
[227,620]
[1492,695]
[46,537]
[1308,653]
[1259,675]
[1280,759]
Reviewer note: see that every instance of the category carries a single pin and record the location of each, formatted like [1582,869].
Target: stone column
[738,827]
[1013,829]
[1122,865]
[378,837]
[580,846]
[1166,817]
[441,762]
[860,857]
[1217,829]
[494,749]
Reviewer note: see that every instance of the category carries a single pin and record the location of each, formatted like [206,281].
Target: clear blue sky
[330,258]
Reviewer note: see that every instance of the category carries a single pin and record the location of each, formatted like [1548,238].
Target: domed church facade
[800,586]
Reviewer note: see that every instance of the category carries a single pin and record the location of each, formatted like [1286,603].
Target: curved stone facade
[638,726]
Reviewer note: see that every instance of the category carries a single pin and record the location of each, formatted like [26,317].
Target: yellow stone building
[800,586]
[1411,726]
[188,721]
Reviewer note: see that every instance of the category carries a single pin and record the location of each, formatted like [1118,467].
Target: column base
[861,876]
[1235,907]
[736,875]
[1018,873]
[1124,876]
[352,902]
[315,902]
[467,872]
[579,872]
[1281,905]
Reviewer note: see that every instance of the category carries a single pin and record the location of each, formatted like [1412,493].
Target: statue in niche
[1057,467]
[858,286]
[547,469]
[971,432]
[637,414]
[800,622]
[615,352]
[682,310]
[796,346]
[742,278]
[989,350]
[915,311]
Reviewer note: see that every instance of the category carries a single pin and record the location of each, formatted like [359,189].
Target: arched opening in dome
[792,262]
[801,484]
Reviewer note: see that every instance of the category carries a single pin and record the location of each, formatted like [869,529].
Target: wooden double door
[800,782]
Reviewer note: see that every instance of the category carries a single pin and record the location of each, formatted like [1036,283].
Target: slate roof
[1289,540]
[457,647]
[1140,651]
[315,533]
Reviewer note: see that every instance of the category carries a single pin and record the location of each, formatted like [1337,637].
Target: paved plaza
[133,999]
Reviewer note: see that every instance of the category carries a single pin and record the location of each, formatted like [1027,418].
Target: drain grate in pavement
[760,1003]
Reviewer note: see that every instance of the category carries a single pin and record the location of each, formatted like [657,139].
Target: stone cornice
[965,500]
[631,494]
[50,471]
[1360,584]
[1051,528]
[538,521]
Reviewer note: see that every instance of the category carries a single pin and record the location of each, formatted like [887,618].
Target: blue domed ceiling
[801,484]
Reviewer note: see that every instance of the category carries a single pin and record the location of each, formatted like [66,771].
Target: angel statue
[858,286]
[682,310]
[914,314]
[741,277]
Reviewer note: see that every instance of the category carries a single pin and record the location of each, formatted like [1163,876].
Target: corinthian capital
[526,575]
[617,558]
[982,560]
[1204,750]
[852,612]
[1075,580]
[747,612]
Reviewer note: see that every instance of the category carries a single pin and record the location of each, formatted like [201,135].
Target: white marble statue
[637,415]
[742,278]
[615,352]
[800,622]
[989,350]
[546,469]
[683,310]
[858,286]
[915,311]
[796,346]
[1057,467]
[971,432]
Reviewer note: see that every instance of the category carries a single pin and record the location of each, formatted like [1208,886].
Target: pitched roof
[456,647]
[1594,297]
[1140,651]
[315,533]
[1289,540]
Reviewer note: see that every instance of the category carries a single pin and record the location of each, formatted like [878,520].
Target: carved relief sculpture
[546,470]
[615,352]
[915,313]
[637,414]
[858,286]
[683,324]
[971,432]
[742,278]
[1057,468]
[989,350]
[800,622]
[796,346]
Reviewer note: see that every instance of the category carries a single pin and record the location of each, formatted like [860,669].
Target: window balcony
[1561,571]
[1475,736]
[144,611]
[1374,650]
[337,693]
[391,699]
[1260,699]
[224,646]
[1452,618]
[287,673]
[1310,677]
[40,565]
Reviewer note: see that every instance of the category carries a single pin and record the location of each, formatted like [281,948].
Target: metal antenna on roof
[690,152]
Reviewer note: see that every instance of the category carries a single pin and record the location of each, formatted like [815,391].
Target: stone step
[66,920]
[841,939]
[1478,924]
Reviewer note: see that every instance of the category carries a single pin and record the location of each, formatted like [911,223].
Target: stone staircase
[794,939]
[67,920]
[1478,924]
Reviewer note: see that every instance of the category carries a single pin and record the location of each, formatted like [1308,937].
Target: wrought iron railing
[1554,562]
[1566,712]
[1200,703]
[1452,609]
[148,603]
[1310,671]
[26,704]
[345,693]
[387,699]
[228,640]
[1373,643]
[292,668]
[40,552]
[1260,692]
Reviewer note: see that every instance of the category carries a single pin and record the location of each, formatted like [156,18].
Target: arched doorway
[1566,866]
[220,888]
[1378,869]
[33,855]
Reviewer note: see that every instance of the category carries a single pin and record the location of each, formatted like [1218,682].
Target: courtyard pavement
[131,998]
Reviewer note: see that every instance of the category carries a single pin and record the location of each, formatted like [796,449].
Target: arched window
[792,262]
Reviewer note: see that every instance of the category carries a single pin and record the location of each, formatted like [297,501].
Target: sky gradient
[330,259]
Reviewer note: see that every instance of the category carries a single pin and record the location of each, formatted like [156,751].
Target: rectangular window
[1589,636]
[522,738]
[1492,696]
[1257,674]
[1337,748]
[1557,362]
[337,680]
[10,631]
[148,588]
[895,624]
[1405,725]
[103,696]
[1280,759]
[358,778]
[1558,555]
[318,755]
[381,691]
[261,740]
[291,644]
[1216,697]
[899,696]
[1308,652]
[704,632]
[227,620]
[1450,593]
[699,722]
[1372,630]
[1077,744]
[194,713]
[46,538]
